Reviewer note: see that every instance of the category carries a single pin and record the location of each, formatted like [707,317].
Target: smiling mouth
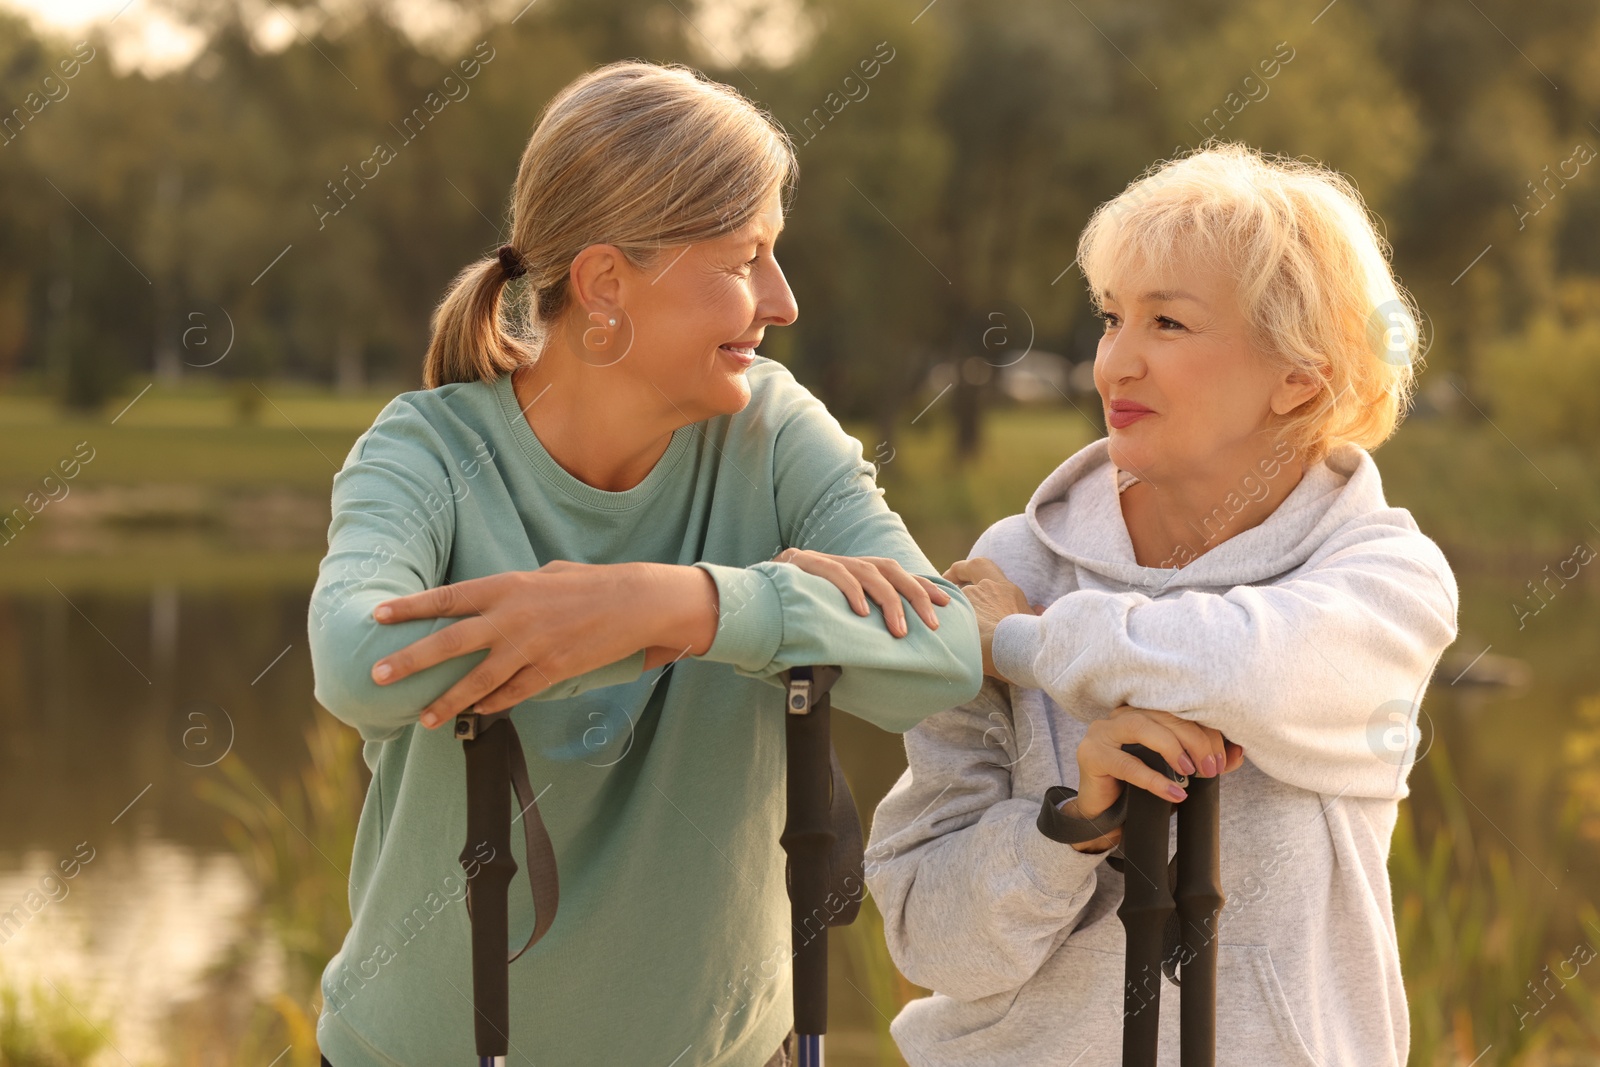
[745,354]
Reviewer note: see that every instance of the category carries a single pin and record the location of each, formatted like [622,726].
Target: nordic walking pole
[1146,905]
[1150,913]
[496,769]
[1199,906]
[808,839]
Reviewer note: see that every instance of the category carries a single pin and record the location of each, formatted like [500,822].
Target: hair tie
[511,262]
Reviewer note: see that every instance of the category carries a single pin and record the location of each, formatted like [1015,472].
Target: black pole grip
[1199,903]
[1146,905]
[808,839]
[490,868]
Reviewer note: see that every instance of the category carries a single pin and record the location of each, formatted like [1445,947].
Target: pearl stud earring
[611,322]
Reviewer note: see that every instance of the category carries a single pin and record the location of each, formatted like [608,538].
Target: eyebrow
[1163,295]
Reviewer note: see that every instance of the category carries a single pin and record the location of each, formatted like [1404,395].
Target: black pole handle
[1146,905]
[1151,908]
[490,867]
[1199,904]
[808,841]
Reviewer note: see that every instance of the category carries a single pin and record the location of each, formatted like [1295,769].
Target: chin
[727,395]
[1132,456]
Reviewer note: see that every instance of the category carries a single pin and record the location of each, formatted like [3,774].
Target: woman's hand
[884,580]
[544,626]
[1103,767]
[993,597]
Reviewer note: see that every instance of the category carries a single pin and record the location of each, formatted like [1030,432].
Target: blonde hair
[633,154]
[1312,271]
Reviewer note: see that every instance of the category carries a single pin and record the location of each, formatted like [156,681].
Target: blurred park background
[212,278]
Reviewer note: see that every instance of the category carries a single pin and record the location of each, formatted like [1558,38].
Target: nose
[1118,359]
[776,304]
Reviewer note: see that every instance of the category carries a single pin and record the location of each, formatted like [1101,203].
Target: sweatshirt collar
[1077,513]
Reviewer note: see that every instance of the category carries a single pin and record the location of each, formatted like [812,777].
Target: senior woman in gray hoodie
[1221,579]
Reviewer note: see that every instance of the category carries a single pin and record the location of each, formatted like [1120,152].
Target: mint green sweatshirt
[663,793]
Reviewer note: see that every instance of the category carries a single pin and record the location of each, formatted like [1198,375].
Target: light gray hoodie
[1308,640]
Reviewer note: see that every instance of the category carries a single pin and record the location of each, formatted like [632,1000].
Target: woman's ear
[1294,388]
[596,279]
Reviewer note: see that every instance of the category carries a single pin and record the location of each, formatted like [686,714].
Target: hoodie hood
[1076,512]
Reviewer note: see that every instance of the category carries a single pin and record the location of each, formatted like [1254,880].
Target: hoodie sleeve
[974,897]
[1319,676]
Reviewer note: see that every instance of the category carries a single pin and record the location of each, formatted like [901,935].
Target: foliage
[44,1028]
[1478,926]
[1544,382]
[297,845]
[950,189]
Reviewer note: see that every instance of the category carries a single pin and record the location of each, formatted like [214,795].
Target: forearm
[976,911]
[1297,674]
[347,642]
[773,616]
[683,619]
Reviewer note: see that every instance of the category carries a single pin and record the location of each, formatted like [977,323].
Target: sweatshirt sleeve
[974,897]
[773,616]
[1320,677]
[391,534]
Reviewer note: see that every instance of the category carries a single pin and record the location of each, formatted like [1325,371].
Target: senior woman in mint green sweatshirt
[1219,579]
[624,524]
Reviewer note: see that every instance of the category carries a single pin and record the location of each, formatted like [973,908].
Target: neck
[605,427]
[1184,518]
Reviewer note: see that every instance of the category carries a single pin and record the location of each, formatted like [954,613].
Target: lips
[1124,413]
[741,353]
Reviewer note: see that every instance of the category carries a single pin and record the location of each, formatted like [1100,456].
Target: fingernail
[381,672]
[900,627]
[1176,792]
[1210,766]
[1187,765]
[382,613]
[430,720]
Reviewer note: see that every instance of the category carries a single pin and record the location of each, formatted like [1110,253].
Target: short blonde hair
[633,154]
[1312,270]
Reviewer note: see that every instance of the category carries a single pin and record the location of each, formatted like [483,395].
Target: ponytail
[470,343]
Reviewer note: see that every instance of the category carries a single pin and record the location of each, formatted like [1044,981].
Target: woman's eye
[1107,317]
[1165,322]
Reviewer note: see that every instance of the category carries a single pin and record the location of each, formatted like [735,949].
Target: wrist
[683,613]
[1099,844]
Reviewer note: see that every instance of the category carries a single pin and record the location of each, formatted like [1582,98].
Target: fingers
[1201,748]
[459,598]
[967,571]
[840,575]
[479,682]
[883,593]
[918,590]
[457,639]
[1182,744]
[1135,771]
[881,579]
[519,687]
